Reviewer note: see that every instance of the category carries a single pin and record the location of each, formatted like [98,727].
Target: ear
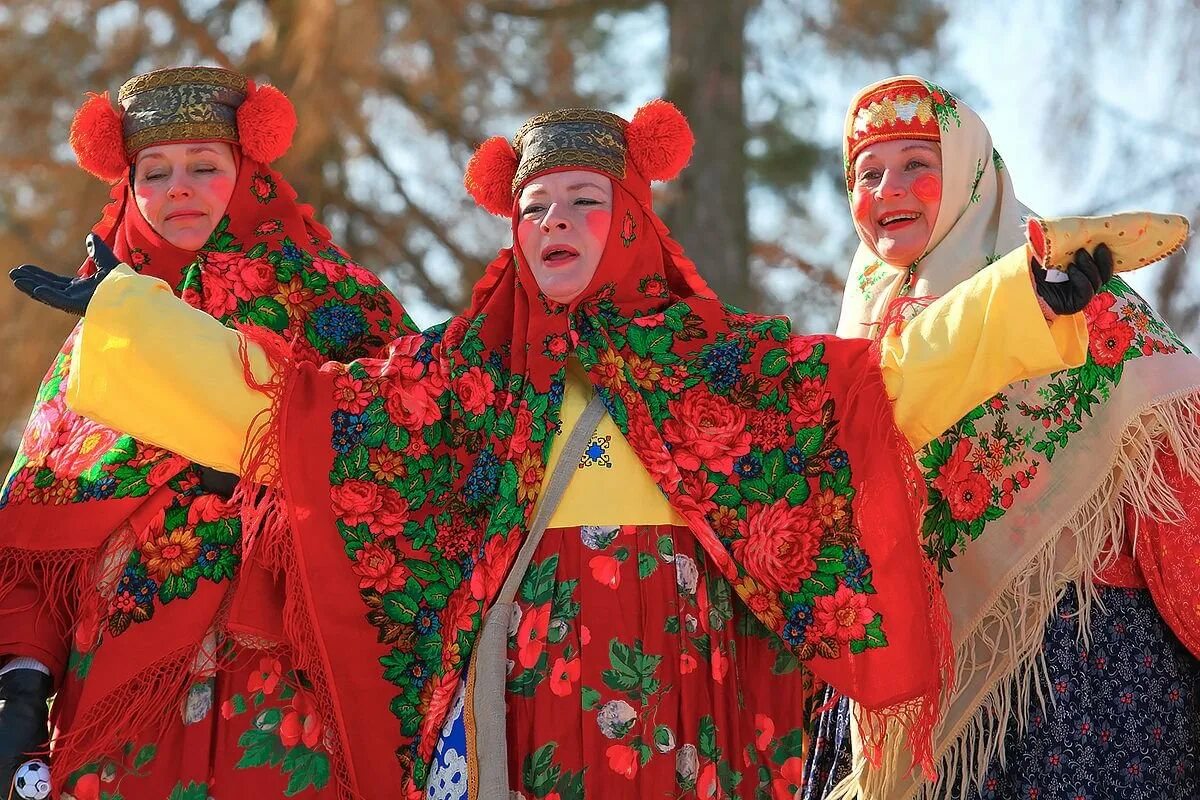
[266,122]
[660,141]
[98,139]
[490,174]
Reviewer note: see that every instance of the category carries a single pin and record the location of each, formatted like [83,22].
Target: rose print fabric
[760,440]
[133,557]
[635,671]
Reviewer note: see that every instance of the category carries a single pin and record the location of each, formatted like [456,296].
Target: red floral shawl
[115,537]
[402,481]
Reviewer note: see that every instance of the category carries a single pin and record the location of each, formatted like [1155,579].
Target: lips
[898,219]
[184,215]
[555,255]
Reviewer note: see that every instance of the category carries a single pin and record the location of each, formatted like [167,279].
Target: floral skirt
[247,733]
[634,672]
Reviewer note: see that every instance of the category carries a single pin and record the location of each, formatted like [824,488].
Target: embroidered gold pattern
[890,110]
[572,137]
[177,76]
[181,103]
[180,131]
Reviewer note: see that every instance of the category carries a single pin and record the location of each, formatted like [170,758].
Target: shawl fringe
[1007,639]
[268,538]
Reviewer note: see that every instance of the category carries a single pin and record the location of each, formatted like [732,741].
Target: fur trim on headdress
[659,141]
[98,140]
[490,174]
[266,122]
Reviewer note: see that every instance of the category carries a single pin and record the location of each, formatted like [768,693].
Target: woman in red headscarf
[582,538]
[117,557]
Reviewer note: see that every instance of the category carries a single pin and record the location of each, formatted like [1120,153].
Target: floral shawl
[410,483]
[139,558]
[1028,492]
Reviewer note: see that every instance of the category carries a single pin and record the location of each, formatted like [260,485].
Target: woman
[723,457]
[143,545]
[1031,538]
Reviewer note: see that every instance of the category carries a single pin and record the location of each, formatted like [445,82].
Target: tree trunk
[707,208]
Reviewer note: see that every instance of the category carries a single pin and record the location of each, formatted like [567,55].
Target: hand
[1085,276]
[60,291]
[24,730]
[216,482]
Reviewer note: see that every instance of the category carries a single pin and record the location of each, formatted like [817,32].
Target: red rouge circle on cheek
[598,222]
[927,189]
[862,207]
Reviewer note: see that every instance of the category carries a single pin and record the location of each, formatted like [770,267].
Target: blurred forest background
[1092,104]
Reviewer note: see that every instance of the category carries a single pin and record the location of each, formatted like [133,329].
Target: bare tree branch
[563,9]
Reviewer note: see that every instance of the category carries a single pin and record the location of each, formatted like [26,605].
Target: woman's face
[563,225]
[896,194]
[182,189]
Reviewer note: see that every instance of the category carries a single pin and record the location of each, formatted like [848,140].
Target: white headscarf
[1060,456]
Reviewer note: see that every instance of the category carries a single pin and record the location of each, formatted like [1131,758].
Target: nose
[179,189]
[892,185]
[553,220]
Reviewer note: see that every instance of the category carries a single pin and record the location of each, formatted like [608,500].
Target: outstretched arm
[984,334]
[154,367]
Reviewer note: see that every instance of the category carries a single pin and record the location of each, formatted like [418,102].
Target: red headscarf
[747,430]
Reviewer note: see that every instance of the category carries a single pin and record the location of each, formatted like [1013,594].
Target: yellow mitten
[1136,239]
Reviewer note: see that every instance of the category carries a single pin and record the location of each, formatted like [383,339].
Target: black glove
[1085,276]
[216,482]
[60,291]
[24,726]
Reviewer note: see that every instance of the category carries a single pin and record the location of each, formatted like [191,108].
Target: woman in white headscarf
[1031,545]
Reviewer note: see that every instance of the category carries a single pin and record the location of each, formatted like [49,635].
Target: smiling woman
[897,189]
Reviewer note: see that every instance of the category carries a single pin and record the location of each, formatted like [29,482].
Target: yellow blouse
[186,392]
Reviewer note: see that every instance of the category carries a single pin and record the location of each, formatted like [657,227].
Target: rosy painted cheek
[927,188]
[525,230]
[598,223]
[863,203]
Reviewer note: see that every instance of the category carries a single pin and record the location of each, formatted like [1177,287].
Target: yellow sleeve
[983,335]
[150,365]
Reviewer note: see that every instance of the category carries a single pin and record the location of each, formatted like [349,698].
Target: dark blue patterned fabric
[829,757]
[1124,722]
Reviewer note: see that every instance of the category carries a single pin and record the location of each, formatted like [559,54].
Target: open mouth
[898,219]
[556,255]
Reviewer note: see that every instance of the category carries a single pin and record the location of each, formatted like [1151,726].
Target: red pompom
[98,139]
[490,174]
[266,122]
[660,141]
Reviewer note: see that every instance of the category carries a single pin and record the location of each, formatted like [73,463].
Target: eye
[205,168]
[155,174]
[916,163]
[869,176]
[587,201]
[532,210]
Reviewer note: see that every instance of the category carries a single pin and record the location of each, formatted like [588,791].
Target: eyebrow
[573,187]
[191,151]
[918,146]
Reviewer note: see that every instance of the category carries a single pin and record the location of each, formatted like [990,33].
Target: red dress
[634,671]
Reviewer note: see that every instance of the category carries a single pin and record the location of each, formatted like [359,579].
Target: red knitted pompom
[98,140]
[490,174]
[266,122]
[660,140]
